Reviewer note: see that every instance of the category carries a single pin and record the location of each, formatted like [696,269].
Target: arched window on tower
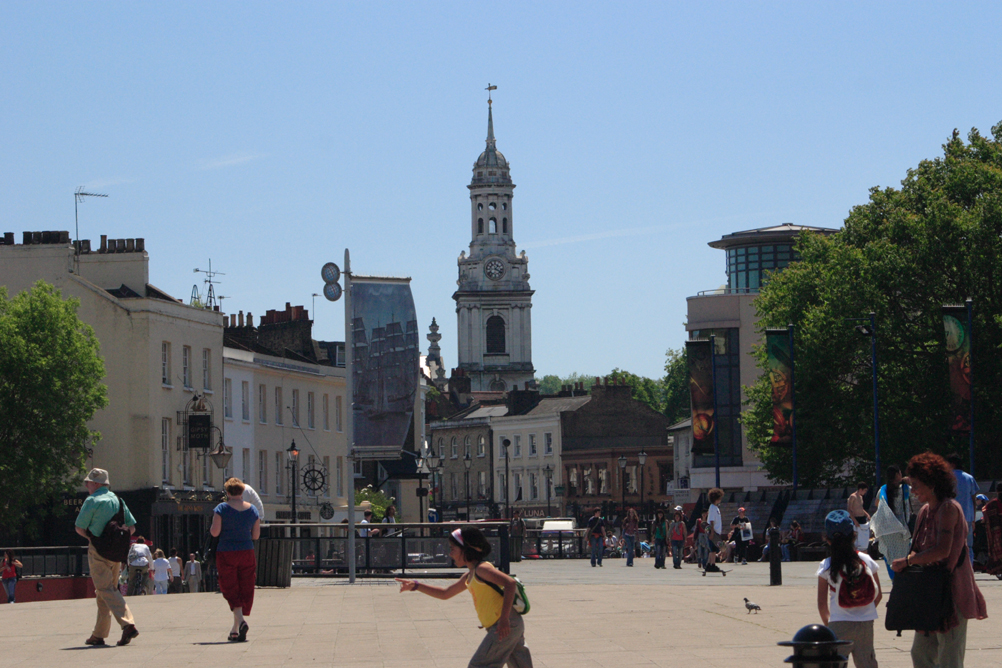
[492,226]
[480,225]
[504,226]
[495,334]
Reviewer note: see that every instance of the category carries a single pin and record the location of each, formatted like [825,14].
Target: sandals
[242,636]
[233,637]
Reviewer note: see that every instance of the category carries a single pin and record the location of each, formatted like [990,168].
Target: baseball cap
[839,523]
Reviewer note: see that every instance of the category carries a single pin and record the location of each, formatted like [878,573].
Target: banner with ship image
[384,364]
[699,357]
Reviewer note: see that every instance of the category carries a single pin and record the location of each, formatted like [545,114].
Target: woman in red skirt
[237,524]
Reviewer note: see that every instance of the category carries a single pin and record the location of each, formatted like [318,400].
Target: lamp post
[622,479]
[434,461]
[421,470]
[505,443]
[293,467]
[548,472]
[467,462]
[870,330]
[642,458]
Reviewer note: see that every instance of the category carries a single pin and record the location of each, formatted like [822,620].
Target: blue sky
[271,136]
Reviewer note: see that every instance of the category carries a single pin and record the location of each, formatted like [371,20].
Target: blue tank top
[237,526]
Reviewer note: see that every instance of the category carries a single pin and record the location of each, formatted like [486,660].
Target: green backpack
[521,604]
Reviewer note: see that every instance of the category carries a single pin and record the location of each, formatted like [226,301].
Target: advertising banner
[700,363]
[958,359]
[384,363]
[777,342]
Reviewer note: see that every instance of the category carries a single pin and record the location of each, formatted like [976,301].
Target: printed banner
[958,359]
[777,343]
[384,363]
[700,363]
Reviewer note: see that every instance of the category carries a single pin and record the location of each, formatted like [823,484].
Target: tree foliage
[378,501]
[50,387]
[903,255]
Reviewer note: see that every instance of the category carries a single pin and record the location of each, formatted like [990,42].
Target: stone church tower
[494,301]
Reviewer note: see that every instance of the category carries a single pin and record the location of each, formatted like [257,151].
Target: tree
[552,384]
[378,501]
[676,386]
[906,252]
[647,390]
[50,387]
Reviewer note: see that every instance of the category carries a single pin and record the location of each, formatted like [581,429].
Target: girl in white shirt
[161,572]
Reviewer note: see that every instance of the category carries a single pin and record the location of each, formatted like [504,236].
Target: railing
[562,544]
[727,291]
[55,561]
[399,547]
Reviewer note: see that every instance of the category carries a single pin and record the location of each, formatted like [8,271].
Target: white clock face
[494,269]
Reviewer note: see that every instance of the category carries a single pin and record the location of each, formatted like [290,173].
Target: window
[504,206]
[441,447]
[310,422]
[504,226]
[165,363]
[492,226]
[245,462]
[517,446]
[547,444]
[228,398]
[337,413]
[327,413]
[206,373]
[481,484]
[495,334]
[480,206]
[533,487]
[186,467]
[206,472]
[452,485]
[481,447]
[327,472]
[340,477]
[262,471]
[245,401]
[262,404]
[501,449]
[278,405]
[518,487]
[480,225]
[604,482]
[356,467]
[295,408]
[589,481]
[634,479]
[466,447]
[532,445]
[186,366]
[572,481]
[455,448]
[492,206]
[165,450]
[279,472]
[666,475]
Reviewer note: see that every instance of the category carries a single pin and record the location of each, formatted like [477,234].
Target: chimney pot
[104,244]
[215,308]
[140,245]
[226,321]
[120,246]
[36,238]
[112,245]
[8,238]
[130,245]
[64,237]
[250,319]
[240,317]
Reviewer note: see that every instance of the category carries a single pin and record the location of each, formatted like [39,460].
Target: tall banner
[780,361]
[384,363]
[958,359]
[700,363]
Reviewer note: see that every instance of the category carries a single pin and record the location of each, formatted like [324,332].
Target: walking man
[516,530]
[193,574]
[967,490]
[100,508]
[596,537]
[176,585]
[860,517]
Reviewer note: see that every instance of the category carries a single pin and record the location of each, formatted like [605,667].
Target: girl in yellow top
[505,639]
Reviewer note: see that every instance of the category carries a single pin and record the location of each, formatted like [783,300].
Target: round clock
[494,269]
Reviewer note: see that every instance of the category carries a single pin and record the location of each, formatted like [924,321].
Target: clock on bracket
[494,269]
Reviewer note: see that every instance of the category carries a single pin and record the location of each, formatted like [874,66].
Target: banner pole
[349,471]
[970,348]
[876,407]
[716,418]
[793,407]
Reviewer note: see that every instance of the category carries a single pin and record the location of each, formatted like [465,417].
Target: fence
[61,561]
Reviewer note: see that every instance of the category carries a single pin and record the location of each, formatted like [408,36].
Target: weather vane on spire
[489,89]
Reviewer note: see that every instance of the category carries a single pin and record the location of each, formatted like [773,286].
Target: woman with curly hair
[941,537]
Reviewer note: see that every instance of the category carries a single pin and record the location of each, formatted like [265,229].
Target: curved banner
[780,361]
[384,363]
[958,359]
[700,362]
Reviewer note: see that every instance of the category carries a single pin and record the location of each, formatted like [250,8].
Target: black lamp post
[467,462]
[421,470]
[293,467]
[622,479]
[505,443]
[434,461]
[870,330]
[548,472]
[642,458]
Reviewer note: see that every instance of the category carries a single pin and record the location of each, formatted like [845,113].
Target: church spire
[490,125]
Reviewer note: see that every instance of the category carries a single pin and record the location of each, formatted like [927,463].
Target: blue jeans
[660,552]
[630,548]
[597,545]
[677,546]
[9,586]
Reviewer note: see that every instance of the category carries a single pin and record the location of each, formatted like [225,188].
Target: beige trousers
[941,650]
[110,601]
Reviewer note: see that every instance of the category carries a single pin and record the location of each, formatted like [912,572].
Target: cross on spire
[489,89]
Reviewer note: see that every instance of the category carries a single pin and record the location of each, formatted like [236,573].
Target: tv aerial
[210,294]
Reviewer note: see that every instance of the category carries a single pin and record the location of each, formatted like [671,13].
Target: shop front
[181,520]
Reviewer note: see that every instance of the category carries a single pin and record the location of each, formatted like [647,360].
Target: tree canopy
[50,387]
[903,255]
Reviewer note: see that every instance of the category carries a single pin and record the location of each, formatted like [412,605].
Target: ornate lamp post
[467,462]
[434,461]
[548,472]
[622,479]
[642,458]
[293,467]
[421,471]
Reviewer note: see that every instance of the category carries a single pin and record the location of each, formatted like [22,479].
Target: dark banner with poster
[700,363]
[958,359]
[780,361]
[384,363]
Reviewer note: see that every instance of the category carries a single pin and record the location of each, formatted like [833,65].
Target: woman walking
[659,533]
[161,572]
[493,597]
[941,537]
[9,574]
[890,522]
[677,533]
[237,524]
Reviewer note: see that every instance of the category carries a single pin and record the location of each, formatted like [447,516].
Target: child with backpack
[849,589]
[495,595]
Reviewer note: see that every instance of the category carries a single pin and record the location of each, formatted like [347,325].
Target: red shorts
[237,576]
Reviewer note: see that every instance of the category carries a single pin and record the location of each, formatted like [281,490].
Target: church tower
[494,301]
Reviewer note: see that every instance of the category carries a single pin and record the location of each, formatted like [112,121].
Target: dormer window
[492,226]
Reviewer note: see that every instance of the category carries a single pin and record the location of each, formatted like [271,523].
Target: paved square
[581,617]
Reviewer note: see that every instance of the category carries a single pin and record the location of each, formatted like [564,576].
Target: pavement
[581,617]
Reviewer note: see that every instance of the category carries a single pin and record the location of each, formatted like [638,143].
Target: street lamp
[642,458]
[467,462]
[293,467]
[870,330]
[622,478]
[548,472]
[434,462]
[421,470]
[505,443]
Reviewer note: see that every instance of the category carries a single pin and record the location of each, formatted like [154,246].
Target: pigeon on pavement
[752,606]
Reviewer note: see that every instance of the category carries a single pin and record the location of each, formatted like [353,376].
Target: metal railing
[53,561]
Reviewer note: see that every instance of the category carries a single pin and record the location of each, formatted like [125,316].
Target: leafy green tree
[50,387]
[675,386]
[376,498]
[902,255]
[647,390]
[550,384]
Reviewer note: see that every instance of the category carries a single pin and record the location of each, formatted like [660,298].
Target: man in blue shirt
[967,489]
[99,509]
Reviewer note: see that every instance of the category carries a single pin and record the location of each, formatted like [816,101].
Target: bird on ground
[752,606]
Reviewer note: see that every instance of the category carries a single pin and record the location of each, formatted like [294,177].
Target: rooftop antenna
[210,295]
[77,198]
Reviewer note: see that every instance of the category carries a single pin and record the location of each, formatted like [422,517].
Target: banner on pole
[958,359]
[777,343]
[700,363]
[384,365]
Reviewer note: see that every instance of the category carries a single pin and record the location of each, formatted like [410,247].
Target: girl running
[505,639]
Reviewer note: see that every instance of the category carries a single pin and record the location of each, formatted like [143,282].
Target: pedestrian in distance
[97,512]
[176,585]
[237,524]
[741,535]
[9,569]
[161,572]
[140,559]
[677,533]
[967,490]
[631,523]
[493,595]
[193,574]
[784,545]
[849,589]
[861,518]
[516,531]
[702,541]
[714,527]
[596,537]
[890,521]
[941,537]
[659,533]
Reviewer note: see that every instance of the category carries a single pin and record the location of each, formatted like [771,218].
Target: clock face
[494,269]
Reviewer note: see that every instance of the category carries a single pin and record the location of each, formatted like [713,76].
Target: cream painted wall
[524,426]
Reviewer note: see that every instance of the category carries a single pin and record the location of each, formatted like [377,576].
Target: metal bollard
[775,558]
[816,646]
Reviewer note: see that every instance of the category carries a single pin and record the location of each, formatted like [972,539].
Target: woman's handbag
[921,599]
[209,551]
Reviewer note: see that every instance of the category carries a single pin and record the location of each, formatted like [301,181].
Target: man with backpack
[105,521]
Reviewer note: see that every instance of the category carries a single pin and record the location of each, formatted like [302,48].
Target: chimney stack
[104,244]
[250,319]
[240,318]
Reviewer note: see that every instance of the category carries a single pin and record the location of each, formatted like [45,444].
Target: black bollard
[775,558]
[816,646]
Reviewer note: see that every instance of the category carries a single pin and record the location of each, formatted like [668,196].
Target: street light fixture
[622,478]
[434,462]
[467,462]
[421,471]
[505,443]
[642,458]
[293,467]
[548,472]
[869,329]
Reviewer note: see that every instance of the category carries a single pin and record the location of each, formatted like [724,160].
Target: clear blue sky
[270,136]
